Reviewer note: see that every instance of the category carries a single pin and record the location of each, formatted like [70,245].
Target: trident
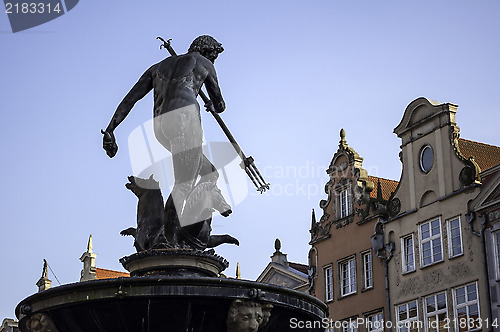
[247,163]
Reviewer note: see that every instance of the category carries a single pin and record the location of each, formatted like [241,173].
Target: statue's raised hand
[109,143]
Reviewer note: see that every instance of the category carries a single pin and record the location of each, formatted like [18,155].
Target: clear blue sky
[293,74]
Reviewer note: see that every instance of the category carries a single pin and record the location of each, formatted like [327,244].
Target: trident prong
[247,162]
[254,174]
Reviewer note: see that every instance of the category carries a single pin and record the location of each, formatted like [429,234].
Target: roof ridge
[469,140]
[379,177]
[298,263]
[100,268]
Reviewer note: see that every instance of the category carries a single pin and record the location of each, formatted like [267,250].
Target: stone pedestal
[174,262]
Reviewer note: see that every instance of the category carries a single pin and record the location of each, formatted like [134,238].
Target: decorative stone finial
[44,283]
[44,272]
[88,260]
[279,257]
[277,245]
[342,142]
[238,272]
[89,245]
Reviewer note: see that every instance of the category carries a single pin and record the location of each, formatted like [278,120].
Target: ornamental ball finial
[277,244]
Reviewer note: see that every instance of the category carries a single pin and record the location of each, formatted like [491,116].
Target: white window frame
[328,282]
[367,261]
[430,240]
[347,276]
[413,321]
[345,202]
[349,325]
[376,325]
[496,253]
[434,316]
[405,254]
[467,304]
[450,237]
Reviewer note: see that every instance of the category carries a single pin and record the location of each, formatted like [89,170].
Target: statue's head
[206,46]
[245,316]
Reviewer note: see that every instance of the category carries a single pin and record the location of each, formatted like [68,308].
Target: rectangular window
[367,270]
[345,203]
[328,275]
[375,322]
[431,249]
[407,317]
[466,304]
[455,237]
[496,246]
[408,254]
[349,325]
[348,277]
[436,313]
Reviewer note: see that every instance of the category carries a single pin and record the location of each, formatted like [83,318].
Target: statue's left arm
[138,91]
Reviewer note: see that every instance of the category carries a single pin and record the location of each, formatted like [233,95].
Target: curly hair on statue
[204,43]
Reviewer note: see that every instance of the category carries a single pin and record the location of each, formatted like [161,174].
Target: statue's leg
[209,174]
[180,132]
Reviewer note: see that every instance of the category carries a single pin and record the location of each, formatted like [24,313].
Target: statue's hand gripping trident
[247,163]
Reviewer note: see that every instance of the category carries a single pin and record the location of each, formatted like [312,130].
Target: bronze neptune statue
[176,83]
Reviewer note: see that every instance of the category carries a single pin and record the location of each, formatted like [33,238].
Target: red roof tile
[109,274]
[387,186]
[485,155]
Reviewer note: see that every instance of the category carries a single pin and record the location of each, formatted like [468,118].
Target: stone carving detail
[41,322]
[470,173]
[247,316]
[394,207]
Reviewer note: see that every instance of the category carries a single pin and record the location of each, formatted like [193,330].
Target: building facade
[9,325]
[486,208]
[346,270]
[437,279]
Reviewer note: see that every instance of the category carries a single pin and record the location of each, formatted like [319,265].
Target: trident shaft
[247,163]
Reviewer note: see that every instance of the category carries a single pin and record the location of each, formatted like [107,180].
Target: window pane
[435,227]
[402,312]
[473,310]
[431,306]
[425,231]
[426,247]
[441,301]
[460,294]
[412,309]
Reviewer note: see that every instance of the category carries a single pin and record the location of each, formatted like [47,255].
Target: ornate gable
[422,110]
[348,190]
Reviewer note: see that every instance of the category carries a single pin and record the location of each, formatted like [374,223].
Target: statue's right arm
[213,90]
[138,91]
